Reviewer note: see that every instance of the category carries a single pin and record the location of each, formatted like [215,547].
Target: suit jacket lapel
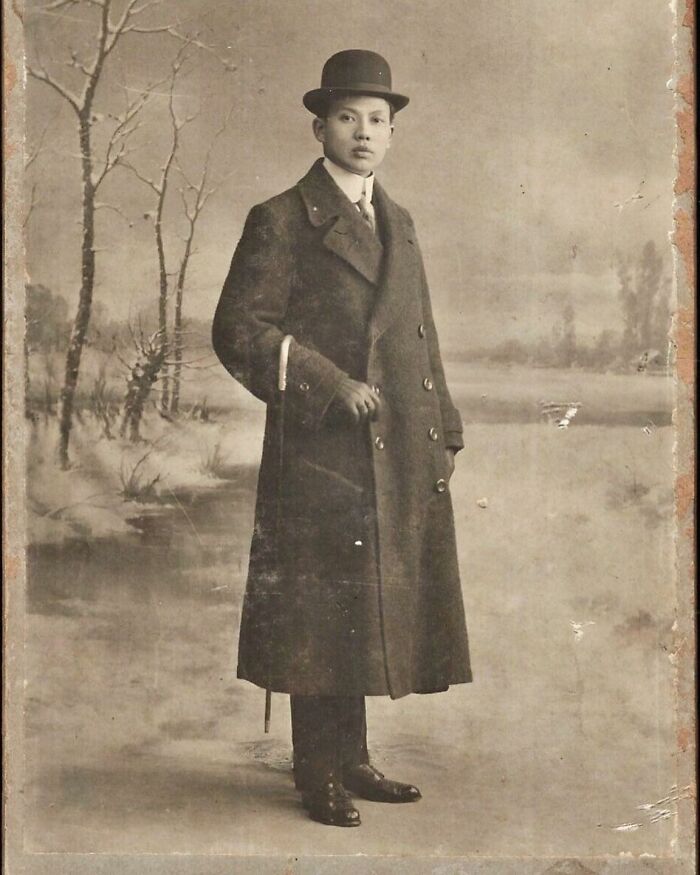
[346,235]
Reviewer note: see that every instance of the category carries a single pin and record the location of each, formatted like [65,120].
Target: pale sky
[538,141]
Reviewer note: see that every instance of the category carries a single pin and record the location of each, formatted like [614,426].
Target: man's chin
[361,166]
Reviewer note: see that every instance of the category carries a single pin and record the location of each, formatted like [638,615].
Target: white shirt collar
[349,183]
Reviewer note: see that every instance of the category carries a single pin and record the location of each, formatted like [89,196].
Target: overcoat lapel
[400,262]
[346,235]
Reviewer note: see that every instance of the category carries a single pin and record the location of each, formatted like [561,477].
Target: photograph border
[17,861]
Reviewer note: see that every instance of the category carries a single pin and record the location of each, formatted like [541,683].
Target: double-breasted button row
[304,387]
[379,443]
[440,485]
[433,433]
[428,384]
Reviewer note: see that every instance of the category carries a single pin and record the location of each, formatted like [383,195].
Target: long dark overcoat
[353,584]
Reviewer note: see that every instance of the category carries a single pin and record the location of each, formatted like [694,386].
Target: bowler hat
[353,71]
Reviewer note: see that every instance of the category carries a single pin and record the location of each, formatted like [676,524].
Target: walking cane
[281,385]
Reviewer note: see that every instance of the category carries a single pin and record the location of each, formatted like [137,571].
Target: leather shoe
[369,783]
[331,804]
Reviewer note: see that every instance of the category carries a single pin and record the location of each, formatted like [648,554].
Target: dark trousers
[329,734]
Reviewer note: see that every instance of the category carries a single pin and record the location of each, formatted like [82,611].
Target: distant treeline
[49,324]
[642,344]
[603,354]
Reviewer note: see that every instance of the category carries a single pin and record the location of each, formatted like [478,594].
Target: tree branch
[127,124]
[131,10]
[77,64]
[31,206]
[43,76]
[159,187]
[172,31]
[137,173]
[199,189]
[94,72]
[116,209]
[58,4]
[34,153]
[137,10]
[66,4]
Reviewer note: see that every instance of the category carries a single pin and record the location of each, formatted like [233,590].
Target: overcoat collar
[393,269]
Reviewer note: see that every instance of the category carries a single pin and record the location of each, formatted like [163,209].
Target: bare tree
[652,296]
[33,152]
[116,21]
[159,187]
[150,354]
[194,197]
[31,156]
[644,297]
[567,342]
[148,367]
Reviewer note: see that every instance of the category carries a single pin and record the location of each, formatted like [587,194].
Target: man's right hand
[357,400]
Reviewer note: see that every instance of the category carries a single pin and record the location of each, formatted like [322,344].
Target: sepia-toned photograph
[350,372]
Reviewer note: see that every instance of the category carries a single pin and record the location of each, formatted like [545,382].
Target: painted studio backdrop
[536,159]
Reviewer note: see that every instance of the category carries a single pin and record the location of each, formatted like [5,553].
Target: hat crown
[354,71]
[347,68]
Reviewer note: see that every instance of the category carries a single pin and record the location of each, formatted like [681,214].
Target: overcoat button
[304,387]
[427,384]
[433,434]
[379,443]
[421,330]
[376,388]
[440,485]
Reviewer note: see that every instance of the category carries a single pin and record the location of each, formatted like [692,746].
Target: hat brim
[316,101]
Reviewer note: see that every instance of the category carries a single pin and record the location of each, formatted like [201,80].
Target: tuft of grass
[136,485]
[626,491]
[102,404]
[200,411]
[213,462]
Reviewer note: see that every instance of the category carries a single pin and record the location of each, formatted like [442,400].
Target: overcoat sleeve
[451,418]
[248,323]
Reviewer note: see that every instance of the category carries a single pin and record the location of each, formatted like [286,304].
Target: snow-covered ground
[111,481]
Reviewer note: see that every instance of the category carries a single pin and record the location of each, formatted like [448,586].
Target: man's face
[356,133]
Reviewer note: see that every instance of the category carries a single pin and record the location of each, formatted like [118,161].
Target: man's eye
[345,117]
[378,121]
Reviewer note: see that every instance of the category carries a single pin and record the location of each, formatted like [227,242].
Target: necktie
[366,210]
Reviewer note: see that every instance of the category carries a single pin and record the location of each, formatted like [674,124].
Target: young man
[353,585]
